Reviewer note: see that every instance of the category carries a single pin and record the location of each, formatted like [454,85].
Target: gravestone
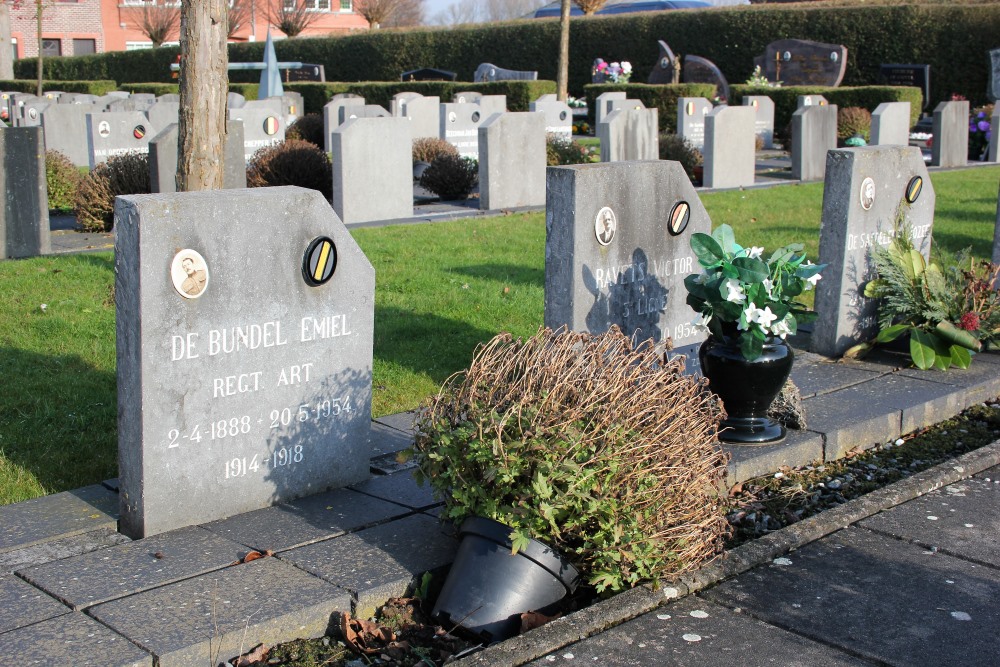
[603,104]
[292,105]
[76,98]
[667,68]
[617,250]
[691,112]
[372,169]
[350,112]
[6,107]
[917,76]
[117,133]
[993,88]
[65,127]
[491,104]
[814,132]
[512,160]
[811,101]
[763,107]
[730,148]
[331,114]
[489,72]
[891,124]
[424,114]
[992,153]
[800,62]
[558,116]
[951,134]
[865,190]
[466,97]
[24,200]
[244,368]
[630,134]
[398,100]
[31,112]
[308,72]
[428,74]
[703,70]
[170,97]
[163,113]
[460,127]
[53,95]
[262,127]
[233,100]
[163,159]
[137,102]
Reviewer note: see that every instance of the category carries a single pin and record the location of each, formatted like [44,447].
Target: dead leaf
[364,636]
[736,490]
[159,555]
[256,654]
[851,453]
[253,555]
[532,619]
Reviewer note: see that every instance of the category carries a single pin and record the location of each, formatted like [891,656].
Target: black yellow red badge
[320,261]
[139,132]
[913,188]
[270,126]
[679,218]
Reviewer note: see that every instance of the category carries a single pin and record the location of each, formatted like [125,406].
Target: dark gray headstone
[162,114]
[992,153]
[24,199]
[65,127]
[460,127]
[110,134]
[814,132]
[800,62]
[691,112]
[666,69]
[891,124]
[428,74]
[558,116]
[703,70]
[951,134]
[490,72]
[372,169]
[630,134]
[31,112]
[133,103]
[244,379]
[918,76]
[633,278]
[993,91]
[764,117]
[163,159]
[865,190]
[730,147]
[512,161]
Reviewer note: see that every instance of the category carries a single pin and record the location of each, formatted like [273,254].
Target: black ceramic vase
[747,388]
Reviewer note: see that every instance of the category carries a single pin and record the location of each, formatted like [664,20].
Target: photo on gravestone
[617,250]
[244,368]
[867,193]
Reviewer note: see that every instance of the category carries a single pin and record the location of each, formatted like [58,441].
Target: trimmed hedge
[954,39]
[662,97]
[519,93]
[84,87]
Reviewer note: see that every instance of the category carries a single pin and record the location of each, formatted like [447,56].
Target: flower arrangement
[741,294]
[979,133]
[614,72]
[581,128]
[758,79]
[576,102]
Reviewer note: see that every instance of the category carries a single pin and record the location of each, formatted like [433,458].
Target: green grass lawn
[441,290]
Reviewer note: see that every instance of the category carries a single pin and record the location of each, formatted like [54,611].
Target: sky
[432,7]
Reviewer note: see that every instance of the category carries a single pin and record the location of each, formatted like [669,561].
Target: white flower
[626,66]
[769,286]
[700,323]
[765,317]
[781,329]
[749,316]
[812,280]
[734,290]
[755,252]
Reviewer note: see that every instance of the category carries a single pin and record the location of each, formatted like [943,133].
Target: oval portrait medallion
[605,226]
[867,194]
[189,273]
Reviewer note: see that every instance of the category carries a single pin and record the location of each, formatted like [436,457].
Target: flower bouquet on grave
[980,133]
[615,72]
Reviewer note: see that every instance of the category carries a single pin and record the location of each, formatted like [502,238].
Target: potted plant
[582,446]
[748,305]
[949,310]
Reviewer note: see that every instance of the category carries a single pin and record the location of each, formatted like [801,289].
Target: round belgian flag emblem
[913,189]
[139,132]
[679,218]
[320,261]
[270,126]
[689,108]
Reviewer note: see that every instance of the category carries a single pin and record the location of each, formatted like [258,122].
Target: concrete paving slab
[884,599]
[401,421]
[378,563]
[389,464]
[400,488]
[70,639]
[821,377]
[82,581]
[980,382]
[57,516]
[388,440]
[23,604]
[46,552]
[962,519]
[66,241]
[749,461]
[694,632]
[306,520]
[214,617]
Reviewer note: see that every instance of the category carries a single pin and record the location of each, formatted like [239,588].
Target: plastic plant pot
[488,588]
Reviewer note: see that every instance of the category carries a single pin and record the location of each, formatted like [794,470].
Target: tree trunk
[562,76]
[38,23]
[6,57]
[204,85]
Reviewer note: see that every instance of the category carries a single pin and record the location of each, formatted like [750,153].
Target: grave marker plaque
[262,126]
[244,368]
[65,127]
[512,161]
[667,68]
[763,107]
[460,127]
[24,200]
[865,189]
[691,112]
[558,116]
[117,133]
[918,76]
[800,62]
[617,250]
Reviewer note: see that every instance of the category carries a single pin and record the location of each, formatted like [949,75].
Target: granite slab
[23,604]
[70,639]
[214,617]
[59,515]
[388,440]
[399,488]
[749,461]
[821,377]
[401,421]
[45,552]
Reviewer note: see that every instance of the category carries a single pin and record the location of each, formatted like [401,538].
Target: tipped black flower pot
[487,588]
[747,388]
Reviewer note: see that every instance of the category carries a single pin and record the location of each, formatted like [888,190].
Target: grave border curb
[637,601]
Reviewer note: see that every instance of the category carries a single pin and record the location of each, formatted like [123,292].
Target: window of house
[138,46]
[51,47]
[13,45]
[84,47]
[313,5]
[345,5]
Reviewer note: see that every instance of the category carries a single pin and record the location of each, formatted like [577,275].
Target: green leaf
[892,333]
[723,234]
[922,349]
[957,336]
[874,289]
[751,346]
[694,286]
[960,356]
[518,541]
[942,353]
[750,270]
[706,249]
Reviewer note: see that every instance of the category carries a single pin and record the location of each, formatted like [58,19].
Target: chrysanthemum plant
[740,294]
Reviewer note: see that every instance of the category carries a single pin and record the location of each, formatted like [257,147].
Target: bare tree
[204,83]
[239,15]
[292,17]
[408,13]
[562,76]
[389,13]
[588,7]
[6,55]
[157,19]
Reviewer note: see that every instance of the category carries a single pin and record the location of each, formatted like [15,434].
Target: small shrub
[853,121]
[294,162]
[62,179]
[451,177]
[676,147]
[308,128]
[426,149]
[566,151]
[95,199]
